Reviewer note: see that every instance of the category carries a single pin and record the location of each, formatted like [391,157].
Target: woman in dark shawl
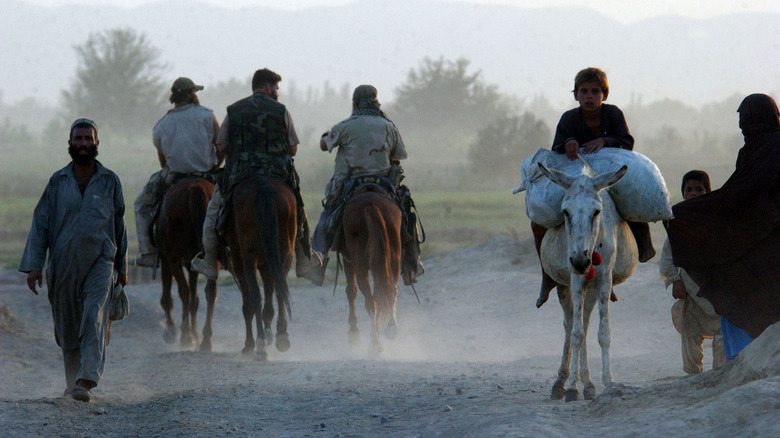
[729,240]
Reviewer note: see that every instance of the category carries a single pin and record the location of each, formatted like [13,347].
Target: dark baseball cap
[185,84]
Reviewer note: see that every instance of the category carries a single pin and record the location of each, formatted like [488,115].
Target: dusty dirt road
[475,358]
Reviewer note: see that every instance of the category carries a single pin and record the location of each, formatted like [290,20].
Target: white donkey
[589,253]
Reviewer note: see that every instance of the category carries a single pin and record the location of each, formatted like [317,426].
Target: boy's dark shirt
[613,128]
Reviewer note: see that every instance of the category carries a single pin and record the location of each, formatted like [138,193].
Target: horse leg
[577,336]
[211,298]
[194,305]
[354,332]
[185,340]
[391,330]
[254,311]
[166,301]
[375,348]
[269,312]
[246,308]
[589,389]
[559,387]
[604,333]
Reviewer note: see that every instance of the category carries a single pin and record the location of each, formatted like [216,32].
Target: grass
[451,220]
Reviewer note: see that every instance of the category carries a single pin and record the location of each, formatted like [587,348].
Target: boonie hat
[184,84]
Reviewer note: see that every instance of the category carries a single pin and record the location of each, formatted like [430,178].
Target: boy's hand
[678,290]
[594,146]
[571,148]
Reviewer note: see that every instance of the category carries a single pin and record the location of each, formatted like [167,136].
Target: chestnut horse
[260,233]
[178,239]
[372,243]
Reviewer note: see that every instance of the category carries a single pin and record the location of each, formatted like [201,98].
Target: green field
[451,220]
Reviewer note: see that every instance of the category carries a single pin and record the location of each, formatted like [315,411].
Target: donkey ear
[607,179]
[556,176]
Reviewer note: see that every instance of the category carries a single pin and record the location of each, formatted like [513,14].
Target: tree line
[459,130]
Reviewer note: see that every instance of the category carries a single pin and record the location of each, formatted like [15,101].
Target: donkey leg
[577,336]
[604,334]
[559,387]
[589,389]
[166,301]
[354,332]
[211,298]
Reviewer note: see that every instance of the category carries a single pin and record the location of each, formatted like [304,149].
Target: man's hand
[594,146]
[121,279]
[571,147]
[32,278]
[678,290]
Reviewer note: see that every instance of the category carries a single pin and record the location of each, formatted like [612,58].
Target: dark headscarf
[758,113]
[729,240]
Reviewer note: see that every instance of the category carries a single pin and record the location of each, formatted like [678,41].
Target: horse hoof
[354,337]
[391,331]
[283,342]
[261,355]
[169,335]
[269,336]
[572,395]
[247,351]
[558,390]
[186,340]
[375,351]
[589,392]
[205,346]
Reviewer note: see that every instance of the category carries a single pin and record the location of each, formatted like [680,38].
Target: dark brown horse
[178,239]
[261,232]
[372,244]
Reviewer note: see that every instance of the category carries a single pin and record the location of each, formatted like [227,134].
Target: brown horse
[178,239]
[372,244]
[260,233]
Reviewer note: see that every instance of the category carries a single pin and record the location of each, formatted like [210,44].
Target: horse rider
[369,145]
[185,139]
[251,148]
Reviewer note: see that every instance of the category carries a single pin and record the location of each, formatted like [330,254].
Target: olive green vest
[257,140]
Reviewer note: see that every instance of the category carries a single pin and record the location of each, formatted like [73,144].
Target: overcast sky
[621,10]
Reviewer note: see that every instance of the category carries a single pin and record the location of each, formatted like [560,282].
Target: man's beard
[81,159]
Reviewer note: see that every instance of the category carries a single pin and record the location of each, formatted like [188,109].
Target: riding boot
[145,207]
[308,262]
[547,282]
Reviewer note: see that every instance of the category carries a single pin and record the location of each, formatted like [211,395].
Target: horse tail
[378,248]
[267,223]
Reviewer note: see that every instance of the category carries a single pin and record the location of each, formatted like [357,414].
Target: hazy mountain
[526,52]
